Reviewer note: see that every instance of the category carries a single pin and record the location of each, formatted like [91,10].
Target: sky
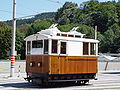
[32,7]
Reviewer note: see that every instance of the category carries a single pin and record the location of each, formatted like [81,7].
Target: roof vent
[53,26]
[74,29]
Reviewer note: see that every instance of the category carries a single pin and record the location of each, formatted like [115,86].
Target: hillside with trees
[87,15]
[26,20]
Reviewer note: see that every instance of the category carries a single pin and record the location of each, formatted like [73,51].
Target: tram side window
[37,44]
[92,49]
[46,46]
[85,48]
[54,46]
[28,47]
[63,48]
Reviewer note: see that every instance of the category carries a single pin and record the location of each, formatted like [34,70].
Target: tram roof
[51,33]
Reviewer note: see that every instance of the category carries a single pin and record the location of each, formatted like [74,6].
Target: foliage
[65,28]
[65,15]
[33,19]
[24,28]
[87,30]
[20,45]
[18,57]
[112,36]
[5,39]
[37,26]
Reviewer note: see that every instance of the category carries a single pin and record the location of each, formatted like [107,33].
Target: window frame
[89,48]
[94,48]
[64,35]
[44,46]
[85,48]
[28,48]
[70,35]
[52,46]
[34,45]
[65,47]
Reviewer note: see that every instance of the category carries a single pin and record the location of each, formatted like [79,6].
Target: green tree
[89,6]
[65,15]
[37,26]
[102,14]
[5,39]
[111,43]
[101,39]
[110,12]
[65,28]
[118,11]
[87,30]
[20,44]
[24,28]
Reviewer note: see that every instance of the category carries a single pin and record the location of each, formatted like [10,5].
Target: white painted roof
[51,33]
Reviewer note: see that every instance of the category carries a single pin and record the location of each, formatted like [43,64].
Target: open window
[54,46]
[46,44]
[63,48]
[28,47]
[85,48]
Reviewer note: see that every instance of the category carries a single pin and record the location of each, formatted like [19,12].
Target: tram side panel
[77,65]
[72,65]
[93,65]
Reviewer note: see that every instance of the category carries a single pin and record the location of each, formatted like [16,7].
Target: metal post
[19,71]
[95,32]
[13,52]
[106,65]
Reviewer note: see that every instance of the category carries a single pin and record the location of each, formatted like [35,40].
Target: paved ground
[106,80]
[5,66]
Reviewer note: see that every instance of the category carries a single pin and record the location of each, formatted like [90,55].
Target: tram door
[58,60]
[54,58]
[63,58]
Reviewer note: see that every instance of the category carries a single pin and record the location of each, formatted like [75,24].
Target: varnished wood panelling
[62,64]
[38,59]
[45,64]
[73,65]
[54,65]
[43,60]
[27,63]
[92,66]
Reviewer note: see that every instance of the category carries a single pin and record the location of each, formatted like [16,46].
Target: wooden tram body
[54,56]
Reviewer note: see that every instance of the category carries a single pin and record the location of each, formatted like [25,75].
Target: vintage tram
[55,56]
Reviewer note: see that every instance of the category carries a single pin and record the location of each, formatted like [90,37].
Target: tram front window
[37,44]
[54,46]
